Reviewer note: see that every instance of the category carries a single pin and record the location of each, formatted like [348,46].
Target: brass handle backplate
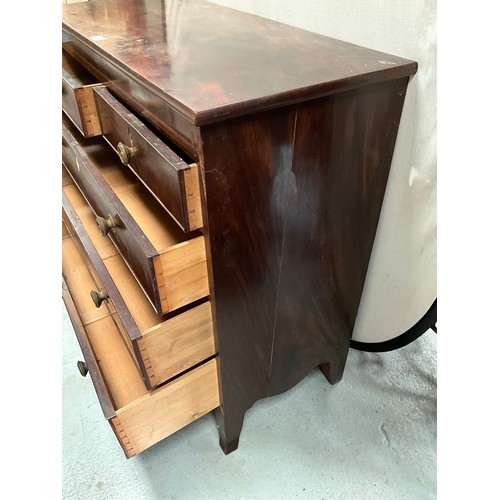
[99,296]
[83,368]
[126,153]
[105,225]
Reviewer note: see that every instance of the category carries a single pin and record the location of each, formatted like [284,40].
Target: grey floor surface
[371,436]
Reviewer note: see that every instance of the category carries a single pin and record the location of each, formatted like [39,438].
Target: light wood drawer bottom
[139,418]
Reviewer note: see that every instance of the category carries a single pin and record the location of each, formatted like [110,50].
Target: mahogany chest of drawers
[222,180]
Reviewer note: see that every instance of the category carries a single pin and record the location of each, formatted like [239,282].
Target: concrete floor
[372,436]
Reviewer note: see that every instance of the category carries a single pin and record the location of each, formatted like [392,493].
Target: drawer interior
[73,70]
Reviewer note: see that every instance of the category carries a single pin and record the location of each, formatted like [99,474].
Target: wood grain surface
[300,190]
[210,62]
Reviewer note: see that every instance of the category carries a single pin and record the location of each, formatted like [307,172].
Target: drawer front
[128,237]
[161,348]
[78,97]
[138,418]
[168,286]
[164,411]
[173,182]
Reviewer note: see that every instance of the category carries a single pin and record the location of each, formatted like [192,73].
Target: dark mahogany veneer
[294,133]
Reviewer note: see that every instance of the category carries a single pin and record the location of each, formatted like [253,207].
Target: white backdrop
[401,282]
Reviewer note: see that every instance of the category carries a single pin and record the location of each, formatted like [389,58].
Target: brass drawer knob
[105,225]
[83,368]
[99,296]
[126,153]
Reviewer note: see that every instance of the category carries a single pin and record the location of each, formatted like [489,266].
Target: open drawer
[170,265]
[161,347]
[78,97]
[139,418]
[172,181]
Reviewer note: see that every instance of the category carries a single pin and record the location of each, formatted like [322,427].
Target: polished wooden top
[209,61]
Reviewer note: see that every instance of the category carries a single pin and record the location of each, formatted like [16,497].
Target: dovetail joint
[122,437]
